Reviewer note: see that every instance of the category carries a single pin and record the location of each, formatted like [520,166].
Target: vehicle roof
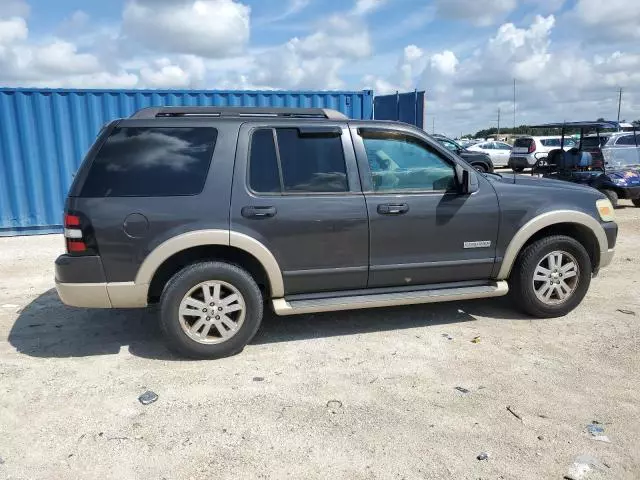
[585,124]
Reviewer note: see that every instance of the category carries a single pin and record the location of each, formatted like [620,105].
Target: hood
[531,181]
[630,175]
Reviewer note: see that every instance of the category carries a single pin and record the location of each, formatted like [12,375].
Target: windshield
[625,152]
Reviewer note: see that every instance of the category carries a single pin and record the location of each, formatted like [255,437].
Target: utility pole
[514,105]
[619,105]
[433,126]
[498,122]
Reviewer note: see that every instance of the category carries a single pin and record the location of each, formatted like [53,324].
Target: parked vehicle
[478,160]
[528,150]
[213,212]
[498,151]
[613,168]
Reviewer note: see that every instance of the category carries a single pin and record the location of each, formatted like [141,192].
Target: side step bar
[282,306]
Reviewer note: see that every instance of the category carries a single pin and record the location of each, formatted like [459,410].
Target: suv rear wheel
[636,202]
[210,310]
[551,277]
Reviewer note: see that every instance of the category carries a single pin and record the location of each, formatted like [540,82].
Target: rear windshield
[523,142]
[151,162]
[591,142]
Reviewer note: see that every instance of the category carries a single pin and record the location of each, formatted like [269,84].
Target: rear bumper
[81,282]
[522,161]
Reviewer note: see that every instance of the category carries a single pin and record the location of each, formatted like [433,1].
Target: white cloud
[294,7]
[403,78]
[479,12]
[162,73]
[14,8]
[208,28]
[618,19]
[363,7]
[337,37]
[444,63]
[12,30]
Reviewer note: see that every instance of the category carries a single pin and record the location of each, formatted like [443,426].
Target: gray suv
[215,212]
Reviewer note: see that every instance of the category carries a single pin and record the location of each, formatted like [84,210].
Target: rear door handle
[393,208]
[258,212]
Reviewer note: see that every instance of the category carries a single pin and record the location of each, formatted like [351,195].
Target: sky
[569,58]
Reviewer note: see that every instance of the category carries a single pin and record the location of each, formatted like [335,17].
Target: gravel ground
[354,395]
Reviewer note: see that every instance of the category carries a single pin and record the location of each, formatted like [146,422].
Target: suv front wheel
[551,276]
[210,310]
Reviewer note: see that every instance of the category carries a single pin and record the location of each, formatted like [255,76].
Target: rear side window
[551,142]
[151,162]
[627,140]
[523,142]
[299,164]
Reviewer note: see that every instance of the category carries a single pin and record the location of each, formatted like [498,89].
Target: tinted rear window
[523,142]
[151,162]
[591,142]
[307,164]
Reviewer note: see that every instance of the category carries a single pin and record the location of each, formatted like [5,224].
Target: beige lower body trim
[127,294]
[87,295]
[283,307]
[103,295]
[606,258]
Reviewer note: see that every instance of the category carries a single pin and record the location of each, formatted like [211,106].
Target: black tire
[182,282]
[636,202]
[612,196]
[518,169]
[480,167]
[521,279]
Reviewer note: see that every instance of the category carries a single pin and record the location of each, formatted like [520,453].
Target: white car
[498,151]
[528,150]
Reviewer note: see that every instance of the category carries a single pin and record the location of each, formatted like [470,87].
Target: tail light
[78,235]
[532,146]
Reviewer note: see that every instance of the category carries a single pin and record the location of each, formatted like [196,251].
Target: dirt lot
[357,395]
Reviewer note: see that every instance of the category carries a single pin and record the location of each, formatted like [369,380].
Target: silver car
[622,149]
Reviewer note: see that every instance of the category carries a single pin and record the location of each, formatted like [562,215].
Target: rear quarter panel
[166,217]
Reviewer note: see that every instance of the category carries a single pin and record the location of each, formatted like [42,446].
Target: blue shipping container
[44,135]
[404,107]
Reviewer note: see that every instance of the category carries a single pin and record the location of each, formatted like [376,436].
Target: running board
[282,306]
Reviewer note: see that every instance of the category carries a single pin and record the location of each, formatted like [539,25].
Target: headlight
[605,210]
[619,181]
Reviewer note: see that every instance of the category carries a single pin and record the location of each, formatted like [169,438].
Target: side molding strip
[545,220]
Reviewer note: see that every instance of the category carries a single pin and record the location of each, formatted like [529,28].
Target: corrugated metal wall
[44,135]
[404,107]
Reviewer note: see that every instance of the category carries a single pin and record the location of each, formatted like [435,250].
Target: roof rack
[160,112]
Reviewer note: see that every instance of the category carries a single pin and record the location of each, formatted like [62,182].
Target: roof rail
[159,112]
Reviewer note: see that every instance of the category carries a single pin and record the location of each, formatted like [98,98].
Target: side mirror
[466,180]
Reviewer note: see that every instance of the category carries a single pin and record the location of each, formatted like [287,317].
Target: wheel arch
[234,247]
[581,226]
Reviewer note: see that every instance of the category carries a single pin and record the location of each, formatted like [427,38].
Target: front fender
[545,220]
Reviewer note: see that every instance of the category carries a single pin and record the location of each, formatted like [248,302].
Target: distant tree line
[527,130]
